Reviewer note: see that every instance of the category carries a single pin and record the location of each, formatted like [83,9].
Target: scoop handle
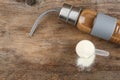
[102,52]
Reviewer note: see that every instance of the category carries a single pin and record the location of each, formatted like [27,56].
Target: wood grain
[50,54]
[29,2]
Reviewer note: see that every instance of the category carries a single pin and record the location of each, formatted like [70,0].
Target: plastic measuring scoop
[86,52]
[86,48]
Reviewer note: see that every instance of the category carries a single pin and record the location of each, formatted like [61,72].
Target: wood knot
[29,2]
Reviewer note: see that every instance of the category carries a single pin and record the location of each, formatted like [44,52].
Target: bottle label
[104,26]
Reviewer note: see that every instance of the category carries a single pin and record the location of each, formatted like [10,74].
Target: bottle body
[116,35]
[86,22]
[92,22]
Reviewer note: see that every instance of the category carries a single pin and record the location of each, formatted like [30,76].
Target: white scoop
[86,48]
[86,51]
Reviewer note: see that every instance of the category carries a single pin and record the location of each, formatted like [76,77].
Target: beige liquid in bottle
[86,21]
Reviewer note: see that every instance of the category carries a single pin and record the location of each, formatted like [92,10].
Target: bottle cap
[69,14]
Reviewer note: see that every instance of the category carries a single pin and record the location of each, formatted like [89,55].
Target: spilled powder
[86,54]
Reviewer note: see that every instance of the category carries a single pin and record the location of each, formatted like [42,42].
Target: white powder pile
[86,52]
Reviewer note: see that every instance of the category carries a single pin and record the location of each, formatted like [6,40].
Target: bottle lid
[69,14]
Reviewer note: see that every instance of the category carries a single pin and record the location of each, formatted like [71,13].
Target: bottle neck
[69,14]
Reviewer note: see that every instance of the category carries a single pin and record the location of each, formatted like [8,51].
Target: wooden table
[50,53]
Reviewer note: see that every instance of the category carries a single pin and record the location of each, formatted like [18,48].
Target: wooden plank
[50,54]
